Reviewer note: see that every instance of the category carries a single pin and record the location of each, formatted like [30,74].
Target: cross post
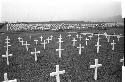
[36,41]
[44,43]
[90,37]
[80,37]
[118,37]
[60,49]
[98,45]
[26,44]
[80,48]
[57,73]
[122,60]
[113,45]
[41,38]
[108,38]
[7,51]
[6,79]
[74,41]
[69,36]
[48,39]
[51,37]
[22,42]
[36,52]
[19,38]
[96,67]
[77,36]
[87,41]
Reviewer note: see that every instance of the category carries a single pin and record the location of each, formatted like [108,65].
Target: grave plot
[43,56]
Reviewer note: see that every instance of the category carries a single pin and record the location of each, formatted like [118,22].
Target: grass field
[24,68]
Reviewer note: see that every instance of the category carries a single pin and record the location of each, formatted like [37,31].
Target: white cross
[51,37]
[36,52]
[77,36]
[26,44]
[41,37]
[6,79]
[48,39]
[74,41]
[44,43]
[87,41]
[96,67]
[108,38]
[59,49]
[7,51]
[80,37]
[118,37]
[60,39]
[7,56]
[57,73]
[7,42]
[113,45]
[69,36]
[90,37]
[80,48]
[122,60]
[105,34]
[19,38]
[36,41]
[98,45]
[22,42]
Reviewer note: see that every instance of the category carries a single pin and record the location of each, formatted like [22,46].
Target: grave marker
[98,45]
[51,37]
[108,38]
[69,36]
[113,45]
[22,42]
[123,73]
[60,49]
[44,44]
[80,48]
[35,53]
[80,37]
[122,60]
[6,79]
[19,39]
[74,41]
[96,67]
[7,51]
[26,44]
[36,41]
[106,35]
[77,36]
[86,41]
[57,73]
[118,37]
[48,39]
[41,38]
[90,36]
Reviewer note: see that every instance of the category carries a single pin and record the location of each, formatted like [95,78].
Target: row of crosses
[57,73]
[7,51]
[25,43]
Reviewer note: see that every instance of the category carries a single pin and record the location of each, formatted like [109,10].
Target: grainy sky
[58,10]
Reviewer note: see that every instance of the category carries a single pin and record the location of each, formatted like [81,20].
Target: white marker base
[123,73]
[15,80]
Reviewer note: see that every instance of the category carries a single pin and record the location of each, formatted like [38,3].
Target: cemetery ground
[24,68]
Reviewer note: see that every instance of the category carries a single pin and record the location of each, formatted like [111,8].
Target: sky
[58,10]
